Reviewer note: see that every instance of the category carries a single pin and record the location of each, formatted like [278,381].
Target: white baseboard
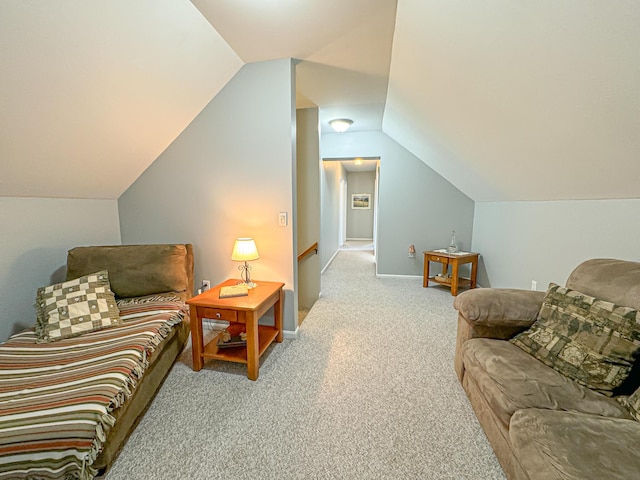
[329,262]
[291,335]
[390,275]
[213,322]
[360,239]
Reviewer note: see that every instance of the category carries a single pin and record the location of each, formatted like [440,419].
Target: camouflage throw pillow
[588,340]
[78,306]
[633,404]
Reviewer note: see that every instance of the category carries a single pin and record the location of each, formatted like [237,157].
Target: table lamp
[245,250]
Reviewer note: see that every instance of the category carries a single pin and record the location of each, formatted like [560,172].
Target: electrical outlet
[534,285]
[206,285]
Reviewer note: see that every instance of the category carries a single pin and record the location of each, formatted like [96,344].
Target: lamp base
[246,276]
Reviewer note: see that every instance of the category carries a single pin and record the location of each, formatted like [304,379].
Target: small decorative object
[234,339]
[452,248]
[226,336]
[412,251]
[245,250]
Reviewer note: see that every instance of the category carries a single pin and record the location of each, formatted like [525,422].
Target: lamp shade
[244,250]
[340,125]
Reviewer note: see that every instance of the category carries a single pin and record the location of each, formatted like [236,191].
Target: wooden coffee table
[245,310]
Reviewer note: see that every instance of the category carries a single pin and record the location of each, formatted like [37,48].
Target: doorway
[356,202]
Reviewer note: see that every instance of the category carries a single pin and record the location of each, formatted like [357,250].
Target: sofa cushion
[511,380]
[616,281]
[74,307]
[134,270]
[592,341]
[553,445]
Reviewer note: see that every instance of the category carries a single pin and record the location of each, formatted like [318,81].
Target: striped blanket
[56,398]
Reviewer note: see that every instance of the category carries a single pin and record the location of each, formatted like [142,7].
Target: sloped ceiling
[344,48]
[93,91]
[523,100]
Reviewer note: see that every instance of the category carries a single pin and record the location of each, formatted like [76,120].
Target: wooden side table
[245,310]
[455,260]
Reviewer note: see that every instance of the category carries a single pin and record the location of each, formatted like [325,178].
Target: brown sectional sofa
[541,424]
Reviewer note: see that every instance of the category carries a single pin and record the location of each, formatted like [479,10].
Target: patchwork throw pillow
[78,306]
[588,340]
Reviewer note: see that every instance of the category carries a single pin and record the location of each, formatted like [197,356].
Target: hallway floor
[357,245]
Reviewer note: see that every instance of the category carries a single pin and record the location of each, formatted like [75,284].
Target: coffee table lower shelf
[462,282]
[266,335]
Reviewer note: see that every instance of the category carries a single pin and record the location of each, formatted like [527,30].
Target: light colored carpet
[367,391]
[357,245]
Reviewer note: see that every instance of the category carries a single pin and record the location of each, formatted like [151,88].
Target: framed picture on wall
[361,201]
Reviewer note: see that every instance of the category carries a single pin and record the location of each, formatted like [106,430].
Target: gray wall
[360,222]
[227,175]
[416,205]
[545,241]
[35,236]
[308,205]
[330,175]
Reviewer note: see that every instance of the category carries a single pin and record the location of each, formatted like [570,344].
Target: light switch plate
[282,219]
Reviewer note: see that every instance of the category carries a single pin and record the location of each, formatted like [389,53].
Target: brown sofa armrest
[498,313]
[499,307]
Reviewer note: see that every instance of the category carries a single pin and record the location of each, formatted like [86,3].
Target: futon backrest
[137,270]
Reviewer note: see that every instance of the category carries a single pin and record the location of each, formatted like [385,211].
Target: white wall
[416,205]
[307,217]
[545,241]
[35,236]
[330,176]
[360,221]
[227,175]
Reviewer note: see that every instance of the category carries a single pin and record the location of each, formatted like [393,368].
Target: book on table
[234,291]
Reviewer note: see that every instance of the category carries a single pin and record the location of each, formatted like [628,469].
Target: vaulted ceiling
[344,49]
[92,92]
[523,100]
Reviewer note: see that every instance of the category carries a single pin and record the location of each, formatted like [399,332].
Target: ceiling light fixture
[357,162]
[340,125]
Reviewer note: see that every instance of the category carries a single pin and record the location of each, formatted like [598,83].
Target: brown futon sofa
[75,384]
[139,271]
[541,423]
